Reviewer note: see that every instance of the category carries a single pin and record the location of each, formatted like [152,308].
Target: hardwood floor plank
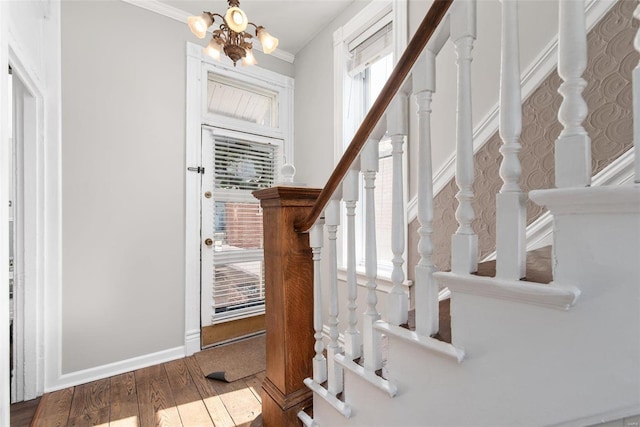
[241,403]
[254,383]
[124,401]
[174,394]
[89,398]
[191,408]
[53,410]
[156,404]
[23,412]
[98,417]
[212,401]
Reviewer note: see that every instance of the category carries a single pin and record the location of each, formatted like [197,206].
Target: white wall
[123,81]
[314,83]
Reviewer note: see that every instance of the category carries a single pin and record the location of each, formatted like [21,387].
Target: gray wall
[123,150]
[314,103]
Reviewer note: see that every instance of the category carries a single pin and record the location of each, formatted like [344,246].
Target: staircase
[557,346]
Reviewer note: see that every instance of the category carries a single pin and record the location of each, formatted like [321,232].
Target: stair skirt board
[340,406]
[433,345]
[386,386]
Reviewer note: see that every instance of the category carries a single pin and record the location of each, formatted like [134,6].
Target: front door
[232,268]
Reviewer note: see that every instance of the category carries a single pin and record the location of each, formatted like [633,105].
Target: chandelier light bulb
[269,43]
[199,24]
[249,59]
[214,48]
[236,19]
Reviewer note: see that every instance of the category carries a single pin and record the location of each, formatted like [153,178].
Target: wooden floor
[171,394]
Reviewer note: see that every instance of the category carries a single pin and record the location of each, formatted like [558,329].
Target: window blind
[372,44]
[238,285]
[244,165]
[240,167]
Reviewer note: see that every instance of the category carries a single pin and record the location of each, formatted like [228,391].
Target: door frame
[30,218]
[198,65]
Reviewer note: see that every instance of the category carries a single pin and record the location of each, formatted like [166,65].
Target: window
[364,51]
[372,78]
[233,99]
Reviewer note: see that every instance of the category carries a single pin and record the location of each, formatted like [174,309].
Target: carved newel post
[289,304]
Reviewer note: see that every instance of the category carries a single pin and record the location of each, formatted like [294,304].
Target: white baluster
[352,337]
[636,101]
[426,290]
[398,306]
[370,336]
[319,361]
[334,371]
[464,243]
[573,146]
[510,202]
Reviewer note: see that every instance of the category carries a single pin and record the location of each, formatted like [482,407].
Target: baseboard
[116,368]
[531,79]
[192,342]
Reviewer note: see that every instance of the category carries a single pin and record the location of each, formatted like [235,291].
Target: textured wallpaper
[609,124]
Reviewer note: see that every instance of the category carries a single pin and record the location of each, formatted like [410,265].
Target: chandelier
[230,36]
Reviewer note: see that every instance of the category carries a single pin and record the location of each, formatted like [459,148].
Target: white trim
[197,66]
[433,345]
[603,417]
[30,305]
[105,371]
[531,78]
[343,408]
[5,398]
[192,204]
[45,87]
[307,420]
[549,296]
[589,200]
[181,16]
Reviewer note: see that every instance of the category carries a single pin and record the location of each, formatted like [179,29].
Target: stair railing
[445,20]
[424,32]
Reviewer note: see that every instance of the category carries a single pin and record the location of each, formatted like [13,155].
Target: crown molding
[181,16]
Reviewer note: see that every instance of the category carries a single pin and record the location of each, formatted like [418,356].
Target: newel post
[289,304]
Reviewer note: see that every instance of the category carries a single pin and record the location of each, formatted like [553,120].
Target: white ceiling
[293,22]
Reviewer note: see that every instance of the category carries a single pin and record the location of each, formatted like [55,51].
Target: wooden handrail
[400,72]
